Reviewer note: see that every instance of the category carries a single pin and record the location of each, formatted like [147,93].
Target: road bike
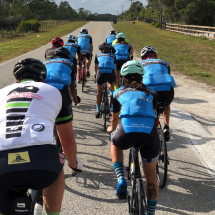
[105,106]
[26,200]
[137,201]
[163,161]
[83,70]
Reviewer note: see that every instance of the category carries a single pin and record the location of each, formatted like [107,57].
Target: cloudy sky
[101,6]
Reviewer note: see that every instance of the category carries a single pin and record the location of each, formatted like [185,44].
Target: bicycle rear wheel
[161,168]
[105,109]
[83,78]
[140,197]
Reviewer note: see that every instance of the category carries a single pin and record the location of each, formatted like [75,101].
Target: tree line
[13,11]
[190,12]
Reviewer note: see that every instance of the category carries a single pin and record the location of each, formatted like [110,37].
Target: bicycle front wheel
[161,168]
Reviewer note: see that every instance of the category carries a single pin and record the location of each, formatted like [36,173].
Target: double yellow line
[95,29]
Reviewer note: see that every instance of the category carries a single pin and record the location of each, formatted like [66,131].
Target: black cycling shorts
[88,56]
[39,170]
[101,78]
[120,63]
[165,96]
[151,142]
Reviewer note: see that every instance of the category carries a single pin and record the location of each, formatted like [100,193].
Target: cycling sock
[98,108]
[111,92]
[151,206]
[53,213]
[116,87]
[88,68]
[119,169]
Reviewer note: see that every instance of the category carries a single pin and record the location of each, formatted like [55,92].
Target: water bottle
[38,209]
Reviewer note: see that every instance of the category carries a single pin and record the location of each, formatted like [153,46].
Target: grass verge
[190,55]
[11,48]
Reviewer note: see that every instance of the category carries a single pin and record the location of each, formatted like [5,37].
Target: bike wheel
[141,197]
[83,79]
[105,110]
[161,168]
[128,169]
[56,139]
[133,200]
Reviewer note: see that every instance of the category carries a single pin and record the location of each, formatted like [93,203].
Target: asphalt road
[190,186]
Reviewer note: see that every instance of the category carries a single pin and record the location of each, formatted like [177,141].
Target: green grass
[16,46]
[193,56]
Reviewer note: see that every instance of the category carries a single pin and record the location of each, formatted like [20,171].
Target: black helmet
[104,45]
[113,32]
[30,67]
[63,53]
[84,31]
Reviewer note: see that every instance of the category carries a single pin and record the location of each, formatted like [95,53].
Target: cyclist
[122,50]
[73,48]
[127,41]
[105,69]
[28,156]
[157,75]
[137,125]
[60,74]
[85,42]
[110,38]
[56,43]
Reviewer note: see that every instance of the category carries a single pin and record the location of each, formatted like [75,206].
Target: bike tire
[162,165]
[56,139]
[129,166]
[83,79]
[140,196]
[105,110]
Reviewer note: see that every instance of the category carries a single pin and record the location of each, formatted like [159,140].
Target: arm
[67,139]
[114,121]
[73,91]
[91,47]
[96,69]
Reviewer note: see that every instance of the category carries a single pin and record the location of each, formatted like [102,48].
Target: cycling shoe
[121,190]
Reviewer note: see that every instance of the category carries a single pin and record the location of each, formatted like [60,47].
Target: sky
[101,6]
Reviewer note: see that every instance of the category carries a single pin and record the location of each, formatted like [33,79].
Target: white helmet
[84,31]
[71,37]
[146,50]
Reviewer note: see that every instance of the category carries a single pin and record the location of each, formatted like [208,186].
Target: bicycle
[105,107]
[26,200]
[163,161]
[84,70]
[137,202]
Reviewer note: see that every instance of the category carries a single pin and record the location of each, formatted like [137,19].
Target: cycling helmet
[120,35]
[113,32]
[104,45]
[132,67]
[71,38]
[84,31]
[57,41]
[63,53]
[146,50]
[30,67]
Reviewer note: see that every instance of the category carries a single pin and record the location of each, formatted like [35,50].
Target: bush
[157,25]
[34,22]
[153,23]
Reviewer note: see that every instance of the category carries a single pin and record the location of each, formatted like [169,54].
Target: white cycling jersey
[27,114]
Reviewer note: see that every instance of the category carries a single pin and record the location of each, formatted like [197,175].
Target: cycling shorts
[120,63]
[88,56]
[151,142]
[36,167]
[101,78]
[165,96]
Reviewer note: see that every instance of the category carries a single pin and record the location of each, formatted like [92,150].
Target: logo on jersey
[38,127]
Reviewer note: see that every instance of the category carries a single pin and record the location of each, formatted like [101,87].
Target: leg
[117,80]
[166,115]
[53,195]
[151,185]
[116,154]
[98,100]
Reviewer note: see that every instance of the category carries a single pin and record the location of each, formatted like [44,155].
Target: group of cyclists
[42,98]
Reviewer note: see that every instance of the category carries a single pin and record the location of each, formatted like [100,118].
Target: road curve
[190,187]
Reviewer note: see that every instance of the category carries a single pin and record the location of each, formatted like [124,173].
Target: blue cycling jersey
[122,51]
[58,72]
[137,111]
[106,62]
[110,38]
[157,74]
[84,42]
[72,47]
